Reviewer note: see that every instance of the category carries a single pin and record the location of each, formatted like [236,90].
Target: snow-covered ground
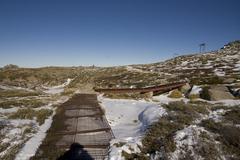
[195,90]
[23,136]
[128,120]
[219,72]
[30,147]
[57,89]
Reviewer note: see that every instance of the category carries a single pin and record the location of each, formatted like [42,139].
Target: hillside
[197,121]
[221,66]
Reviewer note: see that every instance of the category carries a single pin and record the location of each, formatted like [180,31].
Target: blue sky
[38,33]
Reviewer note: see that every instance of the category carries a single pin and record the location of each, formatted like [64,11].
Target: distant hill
[221,66]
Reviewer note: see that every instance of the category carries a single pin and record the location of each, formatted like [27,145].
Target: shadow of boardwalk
[76,152]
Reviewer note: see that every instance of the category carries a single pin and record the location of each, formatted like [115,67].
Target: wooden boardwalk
[80,120]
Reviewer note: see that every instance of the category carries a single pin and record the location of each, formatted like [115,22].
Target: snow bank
[196,90]
[130,145]
[149,115]
[57,89]
[219,72]
[227,102]
[128,120]
[128,117]
[9,110]
[237,66]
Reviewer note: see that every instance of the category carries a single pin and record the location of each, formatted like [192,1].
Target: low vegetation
[175,94]
[28,113]
[17,93]
[10,155]
[188,108]
[233,115]
[160,135]
[205,94]
[228,135]
[206,147]
[31,103]
[194,96]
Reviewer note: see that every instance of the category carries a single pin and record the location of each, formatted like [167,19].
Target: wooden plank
[83,131]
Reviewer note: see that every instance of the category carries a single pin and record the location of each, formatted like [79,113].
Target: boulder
[219,92]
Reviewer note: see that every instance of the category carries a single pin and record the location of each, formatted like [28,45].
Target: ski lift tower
[202,47]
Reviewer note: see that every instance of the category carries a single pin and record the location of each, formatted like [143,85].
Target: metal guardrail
[141,90]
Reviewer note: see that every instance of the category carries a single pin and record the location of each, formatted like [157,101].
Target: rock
[219,92]
[184,89]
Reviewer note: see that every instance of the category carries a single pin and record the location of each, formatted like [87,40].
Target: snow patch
[185,140]
[129,120]
[196,90]
[219,72]
[150,115]
[128,117]
[57,89]
[30,147]
[130,145]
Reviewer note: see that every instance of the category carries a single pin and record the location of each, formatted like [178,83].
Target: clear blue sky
[112,32]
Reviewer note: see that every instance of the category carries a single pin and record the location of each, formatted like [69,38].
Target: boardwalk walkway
[80,120]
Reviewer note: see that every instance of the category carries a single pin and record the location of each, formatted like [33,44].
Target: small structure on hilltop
[202,47]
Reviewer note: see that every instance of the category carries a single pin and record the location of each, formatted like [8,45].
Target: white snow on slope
[196,90]
[226,102]
[130,145]
[128,120]
[219,72]
[128,117]
[131,69]
[216,115]
[8,110]
[237,66]
[57,89]
[186,139]
[30,147]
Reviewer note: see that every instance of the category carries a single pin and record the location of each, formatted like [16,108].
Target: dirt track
[79,120]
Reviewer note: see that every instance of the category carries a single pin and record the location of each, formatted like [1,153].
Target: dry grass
[228,135]
[175,94]
[189,108]
[32,103]
[233,115]
[193,97]
[159,136]
[17,93]
[28,113]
